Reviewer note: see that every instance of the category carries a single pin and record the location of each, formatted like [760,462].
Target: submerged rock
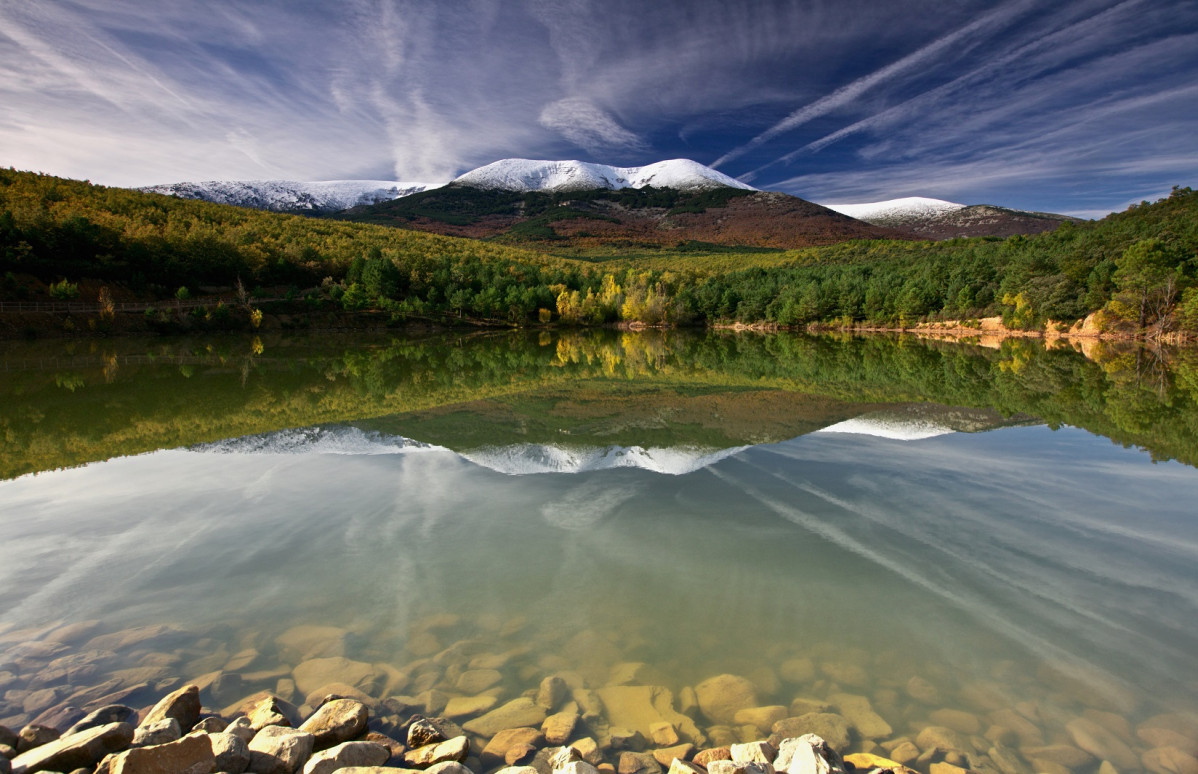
[720,697]
[497,748]
[552,692]
[761,718]
[828,726]
[558,728]
[468,706]
[516,713]
[475,681]
[640,708]
[316,673]
[860,714]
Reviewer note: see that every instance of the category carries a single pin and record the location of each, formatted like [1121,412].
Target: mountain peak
[544,175]
[897,212]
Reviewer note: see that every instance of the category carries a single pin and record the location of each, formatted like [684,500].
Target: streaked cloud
[583,123]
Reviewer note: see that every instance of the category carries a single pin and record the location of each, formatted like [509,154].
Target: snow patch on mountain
[291,195]
[525,175]
[897,211]
[513,460]
[525,459]
[896,428]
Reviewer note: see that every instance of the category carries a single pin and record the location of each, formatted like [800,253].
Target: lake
[931,551]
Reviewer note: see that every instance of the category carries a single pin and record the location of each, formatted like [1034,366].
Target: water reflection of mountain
[64,404]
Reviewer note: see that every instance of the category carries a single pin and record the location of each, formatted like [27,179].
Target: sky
[1073,106]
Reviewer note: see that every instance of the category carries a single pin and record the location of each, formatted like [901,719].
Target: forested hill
[1140,266]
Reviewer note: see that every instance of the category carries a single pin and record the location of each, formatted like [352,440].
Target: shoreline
[989,331]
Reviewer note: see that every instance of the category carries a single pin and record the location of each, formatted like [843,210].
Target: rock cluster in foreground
[177,736]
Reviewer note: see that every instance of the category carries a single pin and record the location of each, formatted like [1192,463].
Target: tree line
[1139,267]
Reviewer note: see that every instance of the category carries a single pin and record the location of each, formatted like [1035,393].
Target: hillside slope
[628,218]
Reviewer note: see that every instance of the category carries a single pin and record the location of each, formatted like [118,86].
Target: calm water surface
[944,530]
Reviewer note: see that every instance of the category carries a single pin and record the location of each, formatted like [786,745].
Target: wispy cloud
[583,123]
[987,25]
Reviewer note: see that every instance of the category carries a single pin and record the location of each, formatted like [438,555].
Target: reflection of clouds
[1025,532]
[1064,555]
[586,505]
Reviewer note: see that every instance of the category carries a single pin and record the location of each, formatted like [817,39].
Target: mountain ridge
[939,219]
[525,175]
[317,197]
[585,203]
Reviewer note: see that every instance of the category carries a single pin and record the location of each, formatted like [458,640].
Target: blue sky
[1078,106]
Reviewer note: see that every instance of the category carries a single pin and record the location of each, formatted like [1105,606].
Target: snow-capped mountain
[512,460]
[897,212]
[525,459]
[293,196]
[532,175]
[938,219]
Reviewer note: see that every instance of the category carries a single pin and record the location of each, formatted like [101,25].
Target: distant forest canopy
[1140,267]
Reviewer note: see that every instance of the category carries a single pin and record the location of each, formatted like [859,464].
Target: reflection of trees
[63,407]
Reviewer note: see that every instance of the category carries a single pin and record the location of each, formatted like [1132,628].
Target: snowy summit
[291,195]
[897,212]
[533,175]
